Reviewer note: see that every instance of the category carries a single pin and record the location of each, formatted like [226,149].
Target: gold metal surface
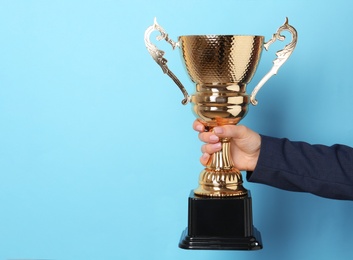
[157,55]
[220,178]
[221,66]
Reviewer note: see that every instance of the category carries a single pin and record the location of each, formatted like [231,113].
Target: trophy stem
[220,178]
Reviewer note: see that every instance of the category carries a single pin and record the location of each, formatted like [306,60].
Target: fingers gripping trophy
[221,66]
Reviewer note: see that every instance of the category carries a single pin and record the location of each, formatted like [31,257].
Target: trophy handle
[282,56]
[157,55]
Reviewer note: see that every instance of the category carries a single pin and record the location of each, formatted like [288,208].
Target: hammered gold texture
[221,66]
[211,59]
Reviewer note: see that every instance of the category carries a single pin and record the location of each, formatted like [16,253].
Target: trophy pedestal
[220,224]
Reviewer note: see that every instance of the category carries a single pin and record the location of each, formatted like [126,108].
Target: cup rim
[220,35]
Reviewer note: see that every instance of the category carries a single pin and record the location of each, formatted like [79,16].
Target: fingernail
[214,138]
[217,145]
[218,130]
[205,156]
[199,128]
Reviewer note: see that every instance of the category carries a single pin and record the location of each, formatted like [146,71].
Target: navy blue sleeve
[325,171]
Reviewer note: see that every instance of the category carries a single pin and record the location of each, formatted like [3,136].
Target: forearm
[298,166]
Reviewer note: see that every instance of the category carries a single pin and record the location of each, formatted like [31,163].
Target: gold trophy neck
[220,104]
[220,178]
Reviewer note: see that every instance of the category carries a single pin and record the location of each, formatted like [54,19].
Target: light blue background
[97,155]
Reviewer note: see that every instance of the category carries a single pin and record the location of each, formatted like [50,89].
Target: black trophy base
[220,224]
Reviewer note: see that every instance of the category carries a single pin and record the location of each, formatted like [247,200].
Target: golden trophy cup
[221,66]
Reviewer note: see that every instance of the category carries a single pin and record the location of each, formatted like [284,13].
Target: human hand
[245,144]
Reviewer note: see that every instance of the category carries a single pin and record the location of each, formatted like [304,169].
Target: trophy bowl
[221,66]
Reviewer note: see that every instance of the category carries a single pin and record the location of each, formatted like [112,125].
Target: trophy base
[220,243]
[223,223]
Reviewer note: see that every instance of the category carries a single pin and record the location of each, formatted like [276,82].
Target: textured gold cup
[221,66]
